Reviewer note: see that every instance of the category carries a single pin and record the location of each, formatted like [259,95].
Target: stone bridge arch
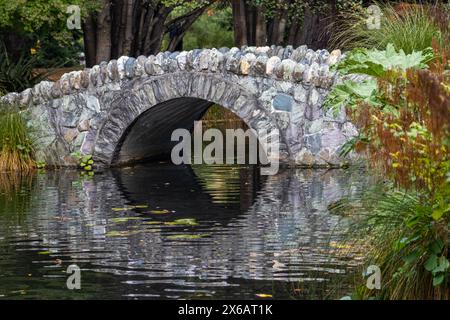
[284,88]
[150,109]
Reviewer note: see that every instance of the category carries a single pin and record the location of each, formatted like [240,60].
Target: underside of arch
[149,136]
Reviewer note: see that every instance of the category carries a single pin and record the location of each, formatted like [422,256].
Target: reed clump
[408,26]
[16,145]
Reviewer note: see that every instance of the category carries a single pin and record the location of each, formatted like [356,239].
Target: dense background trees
[41,26]
[111,28]
[137,27]
[293,22]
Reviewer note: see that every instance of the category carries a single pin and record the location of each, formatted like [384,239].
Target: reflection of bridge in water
[221,190]
[276,229]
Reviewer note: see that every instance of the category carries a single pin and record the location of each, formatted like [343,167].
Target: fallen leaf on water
[139,206]
[264,295]
[152,222]
[44,252]
[159,211]
[182,222]
[187,236]
[121,209]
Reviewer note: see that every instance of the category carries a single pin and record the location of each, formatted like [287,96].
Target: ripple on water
[163,231]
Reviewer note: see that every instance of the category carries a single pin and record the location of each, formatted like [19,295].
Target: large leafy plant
[375,64]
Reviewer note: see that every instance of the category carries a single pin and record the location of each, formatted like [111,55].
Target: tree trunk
[181,25]
[273,27]
[90,39]
[261,31]
[128,31]
[315,31]
[103,50]
[239,23]
[294,29]
[131,27]
[250,24]
[279,33]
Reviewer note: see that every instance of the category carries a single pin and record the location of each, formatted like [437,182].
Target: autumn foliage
[411,143]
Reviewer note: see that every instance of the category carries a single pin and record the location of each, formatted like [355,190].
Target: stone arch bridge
[125,110]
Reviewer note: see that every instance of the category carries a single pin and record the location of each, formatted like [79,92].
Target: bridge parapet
[299,65]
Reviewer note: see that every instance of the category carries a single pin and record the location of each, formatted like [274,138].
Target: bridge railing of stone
[283,63]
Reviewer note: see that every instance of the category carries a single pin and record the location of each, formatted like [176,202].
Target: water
[163,231]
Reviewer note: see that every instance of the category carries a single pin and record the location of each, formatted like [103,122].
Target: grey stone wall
[268,87]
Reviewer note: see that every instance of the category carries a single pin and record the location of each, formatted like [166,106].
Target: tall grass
[411,27]
[16,146]
[400,236]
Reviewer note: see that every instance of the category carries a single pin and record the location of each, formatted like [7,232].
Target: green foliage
[402,113]
[85,161]
[372,63]
[404,240]
[41,27]
[16,76]
[41,164]
[31,16]
[412,28]
[376,63]
[16,146]
[52,54]
[350,145]
[212,30]
[350,93]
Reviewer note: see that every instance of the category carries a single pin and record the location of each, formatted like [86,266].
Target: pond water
[171,232]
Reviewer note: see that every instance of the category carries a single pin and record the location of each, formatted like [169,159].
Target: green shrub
[212,30]
[404,240]
[410,27]
[16,76]
[16,146]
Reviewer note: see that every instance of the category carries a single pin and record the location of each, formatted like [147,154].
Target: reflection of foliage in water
[16,193]
[111,231]
[221,118]
[221,182]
